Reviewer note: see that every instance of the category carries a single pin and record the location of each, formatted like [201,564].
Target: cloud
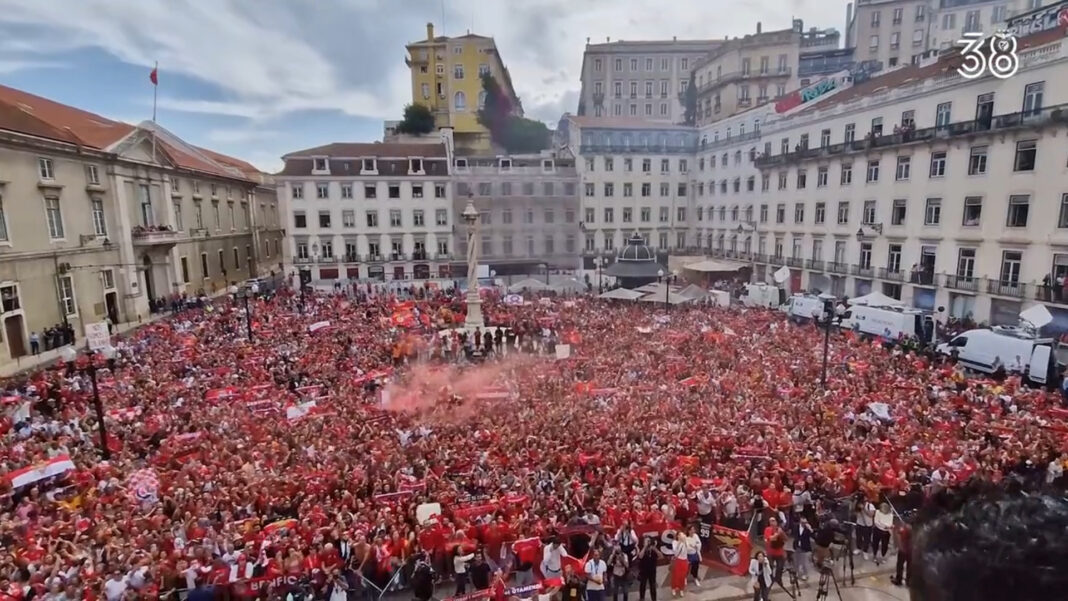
[240,135]
[8,67]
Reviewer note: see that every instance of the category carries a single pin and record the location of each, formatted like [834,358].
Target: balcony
[776,260]
[863,271]
[443,257]
[962,282]
[896,275]
[688,148]
[156,236]
[302,260]
[1007,288]
[795,262]
[814,264]
[420,255]
[836,267]
[1030,119]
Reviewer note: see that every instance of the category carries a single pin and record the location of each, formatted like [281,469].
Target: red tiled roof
[624,123]
[372,149]
[87,128]
[913,74]
[33,115]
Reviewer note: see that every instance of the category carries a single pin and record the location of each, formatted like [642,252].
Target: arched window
[460,101]
[482,99]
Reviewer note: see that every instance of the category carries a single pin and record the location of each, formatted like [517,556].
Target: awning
[527,284]
[876,299]
[711,266]
[672,298]
[622,294]
[693,291]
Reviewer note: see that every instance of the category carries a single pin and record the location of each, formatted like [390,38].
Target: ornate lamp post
[474,301]
[89,367]
[599,262]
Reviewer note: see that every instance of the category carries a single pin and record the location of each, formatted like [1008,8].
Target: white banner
[563,351]
[97,336]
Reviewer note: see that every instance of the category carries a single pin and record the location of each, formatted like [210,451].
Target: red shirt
[772,550]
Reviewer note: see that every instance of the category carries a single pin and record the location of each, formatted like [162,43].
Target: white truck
[1016,348]
[762,295]
[890,322]
[802,307]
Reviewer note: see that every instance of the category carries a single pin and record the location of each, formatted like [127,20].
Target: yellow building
[446,77]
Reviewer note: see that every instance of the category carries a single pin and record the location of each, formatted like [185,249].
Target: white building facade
[369,211]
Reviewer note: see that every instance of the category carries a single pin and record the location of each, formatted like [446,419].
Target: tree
[512,132]
[689,102]
[418,120]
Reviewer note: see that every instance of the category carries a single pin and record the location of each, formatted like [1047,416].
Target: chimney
[607,39]
[758,27]
[430,32]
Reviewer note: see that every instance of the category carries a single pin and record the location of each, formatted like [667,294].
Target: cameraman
[822,542]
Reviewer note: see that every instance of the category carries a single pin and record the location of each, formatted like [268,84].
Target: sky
[256,79]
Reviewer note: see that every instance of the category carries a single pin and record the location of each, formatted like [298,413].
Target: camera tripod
[823,588]
[794,590]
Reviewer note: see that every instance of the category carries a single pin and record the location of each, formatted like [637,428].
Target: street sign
[96,334]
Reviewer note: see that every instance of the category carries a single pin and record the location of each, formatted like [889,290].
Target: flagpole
[155,96]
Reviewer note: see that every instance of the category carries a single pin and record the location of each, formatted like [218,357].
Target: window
[628,190]
[618,64]
[92,175]
[66,295]
[297,190]
[217,215]
[802,179]
[877,126]
[1019,206]
[843,212]
[300,220]
[372,218]
[898,211]
[1032,101]
[897,15]
[825,138]
[873,171]
[973,211]
[903,168]
[682,189]
[664,214]
[847,174]
[322,191]
[820,214]
[45,169]
[821,177]
[441,217]
[439,191]
[589,189]
[1010,267]
[782,180]
[921,11]
[609,189]
[198,215]
[799,213]
[680,214]
[873,43]
[179,223]
[417,190]
[370,191]
[647,189]
[506,216]
[665,166]
[949,21]
[977,160]
[1026,151]
[867,217]
[763,213]
[932,213]
[100,226]
[460,101]
[55,218]
[609,215]
[942,114]
[684,64]
[875,18]
[938,164]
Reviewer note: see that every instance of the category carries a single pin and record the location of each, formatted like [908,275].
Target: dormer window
[370,165]
[322,164]
[461,164]
[415,165]
[547,165]
[506,164]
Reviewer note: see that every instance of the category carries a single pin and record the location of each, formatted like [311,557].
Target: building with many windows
[98,217]
[901,32]
[447,78]
[369,211]
[528,207]
[931,188]
[635,177]
[639,79]
[748,71]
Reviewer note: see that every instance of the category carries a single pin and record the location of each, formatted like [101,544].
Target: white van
[1016,348]
[762,295]
[890,322]
[805,306]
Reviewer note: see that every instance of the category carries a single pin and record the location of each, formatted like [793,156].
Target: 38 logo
[999,56]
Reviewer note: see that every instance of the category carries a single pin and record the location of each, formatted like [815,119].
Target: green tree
[689,102]
[512,132]
[418,120]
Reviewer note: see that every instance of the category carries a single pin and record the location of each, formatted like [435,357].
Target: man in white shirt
[596,569]
[551,559]
[115,586]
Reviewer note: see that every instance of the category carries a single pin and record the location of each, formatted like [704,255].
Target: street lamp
[750,226]
[828,316]
[663,280]
[70,357]
[545,266]
[599,262]
[246,294]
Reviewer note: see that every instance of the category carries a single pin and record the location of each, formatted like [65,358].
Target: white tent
[693,291]
[709,266]
[876,299]
[569,285]
[527,284]
[672,298]
[653,287]
[622,294]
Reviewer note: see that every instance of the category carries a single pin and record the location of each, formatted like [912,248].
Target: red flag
[154,76]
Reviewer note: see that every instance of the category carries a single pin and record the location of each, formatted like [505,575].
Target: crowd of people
[312,450]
